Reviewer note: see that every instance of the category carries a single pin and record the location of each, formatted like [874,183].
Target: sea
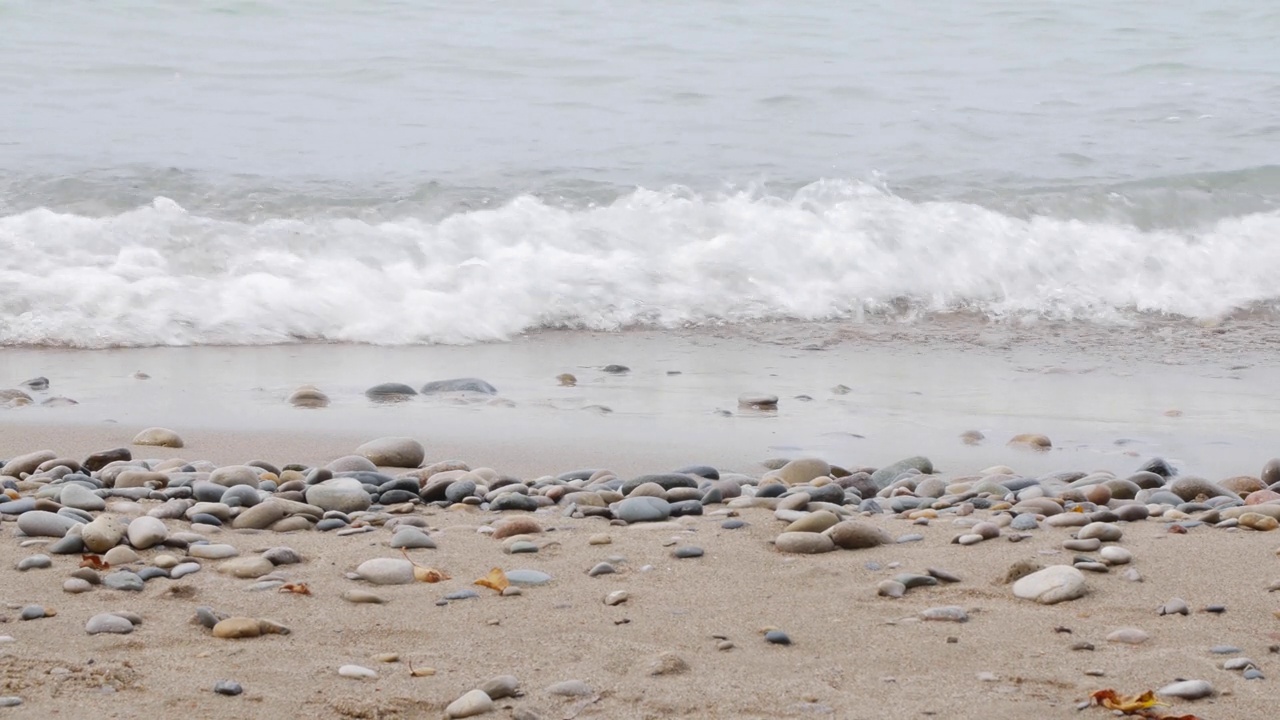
[556,185]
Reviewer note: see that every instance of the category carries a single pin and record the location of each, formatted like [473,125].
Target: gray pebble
[34,562]
[10,701]
[528,577]
[1225,650]
[912,537]
[462,595]
[151,573]
[32,612]
[183,569]
[123,580]
[227,687]
[733,524]
[1253,674]
[603,568]
[777,637]
[687,551]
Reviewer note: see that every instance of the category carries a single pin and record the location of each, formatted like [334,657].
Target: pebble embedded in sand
[1054,584]
[386,571]
[158,437]
[108,623]
[474,702]
[309,396]
[358,672]
[1031,441]
[1128,636]
[1187,689]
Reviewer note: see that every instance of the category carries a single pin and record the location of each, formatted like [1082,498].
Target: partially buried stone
[34,562]
[803,543]
[1054,584]
[758,401]
[687,551]
[123,580]
[356,671]
[467,385]
[10,701]
[642,509]
[386,571]
[474,702]
[159,437]
[1187,690]
[948,613]
[108,623]
[411,538]
[528,577]
[400,452]
[502,686]
[227,687]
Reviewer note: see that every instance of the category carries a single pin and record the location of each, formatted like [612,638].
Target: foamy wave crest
[158,275]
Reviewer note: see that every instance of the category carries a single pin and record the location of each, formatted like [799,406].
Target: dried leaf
[495,580]
[94,561]
[1127,704]
[425,574]
[295,588]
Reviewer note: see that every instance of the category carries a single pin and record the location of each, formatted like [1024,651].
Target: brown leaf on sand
[495,580]
[424,574]
[94,561]
[296,588]
[1134,705]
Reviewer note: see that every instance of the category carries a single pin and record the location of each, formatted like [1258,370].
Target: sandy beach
[688,640]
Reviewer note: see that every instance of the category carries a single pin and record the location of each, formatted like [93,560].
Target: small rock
[777,637]
[363,596]
[685,552]
[1187,690]
[1054,584]
[667,663]
[158,437]
[1128,636]
[949,613]
[1175,606]
[227,687]
[502,686]
[34,562]
[570,688]
[475,702]
[616,597]
[357,671]
[386,571]
[108,623]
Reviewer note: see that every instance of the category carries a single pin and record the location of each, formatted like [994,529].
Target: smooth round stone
[78,496]
[685,552]
[42,523]
[400,452]
[212,552]
[108,623]
[1024,522]
[803,470]
[777,637]
[969,539]
[350,463]
[1132,513]
[158,437]
[34,562]
[237,628]
[228,687]
[121,555]
[1054,584]
[803,543]
[75,586]
[642,509]
[1115,555]
[345,495]
[474,702]
[599,539]
[1105,532]
[123,580]
[411,538]
[240,496]
[356,671]
[460,490]
[1225,650]
[528,577]
[390,392]
[146,531]
[855,535]
[32,612]
[386,571]
[1187,690]
[1253,674]
[182,570]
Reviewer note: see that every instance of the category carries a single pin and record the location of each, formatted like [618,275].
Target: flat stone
[459,385]
[158,437]
[357,671]
[528,577]
[76,586]
[685,552]
[510,527]
[247,567]
[947,613]
[42,523]
[363,597]
[108,623]
[390,392]
[570,688]
[10,701]
[212,551]
[1106,532]
[80,497]
[1128,636]
[472,703]
[182,570]
[1054,584]
[803,543]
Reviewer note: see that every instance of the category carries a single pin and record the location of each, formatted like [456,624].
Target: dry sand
[855,655]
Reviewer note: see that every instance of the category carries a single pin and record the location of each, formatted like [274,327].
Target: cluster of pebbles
[130,521]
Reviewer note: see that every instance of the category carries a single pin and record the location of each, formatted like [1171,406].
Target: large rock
[27,463]
[1054,584]
[471,385]
[102,534]
[158,437]
[400,452]
[42,523]
[345,495]
[1190,487]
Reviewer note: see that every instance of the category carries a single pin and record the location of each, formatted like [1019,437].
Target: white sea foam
[158,275]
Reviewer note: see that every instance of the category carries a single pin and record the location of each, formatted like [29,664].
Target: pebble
[1054,584]
[891,589]
[462,595]
[412,538]
[685,552]
[599,539]
[502,686]
[528,577]
[616,597]
[603,568]
[642,509]
[1128,636]
[123,580]
[1175,606]
[182,570]
[248,567]
[570,688]
[33,612]
[386,571]
[363,596]
[227,687]
[76,585]
[34,562]
[108,623]
[158,437]
[212,552]
[949,613]
[1187,689]
[1224,650]
[356,671]
[145,532]
[777,637]
[10,701]
[1115,555]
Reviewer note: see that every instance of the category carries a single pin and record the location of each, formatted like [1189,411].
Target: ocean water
[185,173]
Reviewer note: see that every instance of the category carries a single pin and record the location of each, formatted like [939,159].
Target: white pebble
[356,671]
